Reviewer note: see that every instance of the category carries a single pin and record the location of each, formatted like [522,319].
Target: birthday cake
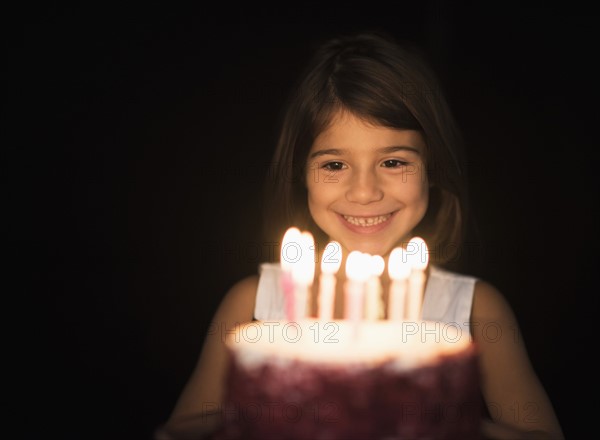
[343,379]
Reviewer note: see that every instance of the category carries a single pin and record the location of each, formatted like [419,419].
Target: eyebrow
[383,150]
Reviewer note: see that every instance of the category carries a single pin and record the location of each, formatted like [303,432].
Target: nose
[364,188]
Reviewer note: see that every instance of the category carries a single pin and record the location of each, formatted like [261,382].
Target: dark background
[137,141]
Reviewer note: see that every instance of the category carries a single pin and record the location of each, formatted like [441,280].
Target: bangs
[362,89]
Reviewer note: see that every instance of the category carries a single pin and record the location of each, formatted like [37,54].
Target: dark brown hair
[385,83]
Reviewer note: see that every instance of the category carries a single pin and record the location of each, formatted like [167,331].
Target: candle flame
[303,270]
[418,253]
[357,266]
[291,251]
[398,264]
[332,258]
[377,265]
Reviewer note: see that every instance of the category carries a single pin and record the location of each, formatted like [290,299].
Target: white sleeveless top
[448,296]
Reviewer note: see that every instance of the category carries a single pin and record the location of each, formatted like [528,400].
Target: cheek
[425,200]
[320,193]
[320,197]
[421,190]
[417,195]
[315,204]
[313,196]
[422,194]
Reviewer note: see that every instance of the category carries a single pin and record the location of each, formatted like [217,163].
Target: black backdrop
[137,140]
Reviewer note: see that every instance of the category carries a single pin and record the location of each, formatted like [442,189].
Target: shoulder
[244,288]
[238,303]
[489,303]
[492,317]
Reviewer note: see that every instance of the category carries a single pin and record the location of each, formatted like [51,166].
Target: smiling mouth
[366,221]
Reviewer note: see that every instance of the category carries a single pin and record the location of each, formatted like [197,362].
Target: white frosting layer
[404,345]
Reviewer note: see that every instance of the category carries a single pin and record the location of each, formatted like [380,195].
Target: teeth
[367,221]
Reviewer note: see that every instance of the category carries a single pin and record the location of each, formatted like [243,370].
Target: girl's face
[367,184]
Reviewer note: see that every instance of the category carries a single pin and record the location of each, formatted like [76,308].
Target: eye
[393,163]
[333,166]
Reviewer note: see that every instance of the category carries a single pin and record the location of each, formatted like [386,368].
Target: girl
[369,155]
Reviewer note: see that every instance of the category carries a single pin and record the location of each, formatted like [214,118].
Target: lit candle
[303,273]
[291,252]
[357,273]
[419,257]
[373,302]
[330,264]
[399,271]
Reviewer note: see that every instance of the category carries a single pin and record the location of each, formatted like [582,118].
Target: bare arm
[197,410]
[516,399]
